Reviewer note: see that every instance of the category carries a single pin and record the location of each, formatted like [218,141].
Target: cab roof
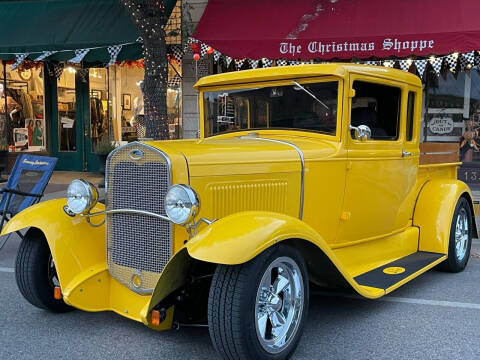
[303,71]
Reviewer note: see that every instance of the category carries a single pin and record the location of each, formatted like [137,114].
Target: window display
[23,98]
[453,111]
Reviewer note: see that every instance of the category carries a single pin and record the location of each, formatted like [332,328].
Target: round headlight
[81,196]
[181,203]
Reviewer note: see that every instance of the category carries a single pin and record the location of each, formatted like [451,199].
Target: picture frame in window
[127,102]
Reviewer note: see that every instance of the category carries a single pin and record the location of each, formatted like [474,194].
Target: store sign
[349,48]
[441,125]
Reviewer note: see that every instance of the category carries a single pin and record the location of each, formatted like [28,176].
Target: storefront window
[67,139]
[23,117]
[127,105]
[453,111]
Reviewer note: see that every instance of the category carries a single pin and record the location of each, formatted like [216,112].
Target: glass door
[97,141]
[67,121]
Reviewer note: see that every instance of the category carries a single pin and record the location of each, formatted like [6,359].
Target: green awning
[36,26]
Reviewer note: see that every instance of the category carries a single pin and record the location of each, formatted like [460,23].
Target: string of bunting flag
[453,62]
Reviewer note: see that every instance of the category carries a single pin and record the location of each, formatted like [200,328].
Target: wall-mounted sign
[443,125]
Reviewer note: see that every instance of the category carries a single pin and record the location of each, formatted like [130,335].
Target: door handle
[406,153]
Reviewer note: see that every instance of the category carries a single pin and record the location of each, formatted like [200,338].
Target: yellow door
[381,171]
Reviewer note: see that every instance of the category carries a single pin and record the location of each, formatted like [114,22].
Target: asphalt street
[436,316]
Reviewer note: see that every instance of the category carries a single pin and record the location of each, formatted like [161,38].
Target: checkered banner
[79,55]
[436,64]
[113,51]
[266,62]
[45,54]
[421,65]
[18,60]
[253,63]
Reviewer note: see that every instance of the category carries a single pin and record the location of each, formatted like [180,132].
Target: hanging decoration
[281,62]
[467,60]
[436,63]
[45,54]
[266,62]
[389,63]
[113,51]
[228,61]
[18,60]
[55,70]
[421,65]
[83,74]
[253,63]
[79,55]
[177,53]
[451,61]
[239,63]
[405,64]
[174,82]
[216,55]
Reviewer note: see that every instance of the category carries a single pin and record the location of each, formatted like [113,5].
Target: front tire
[257,310]
[460,241]
[36,274]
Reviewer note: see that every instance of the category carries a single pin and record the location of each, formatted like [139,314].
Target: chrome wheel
[279,304]
[461,234]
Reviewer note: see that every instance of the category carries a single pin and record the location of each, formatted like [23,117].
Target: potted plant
[103,148]
[3,154]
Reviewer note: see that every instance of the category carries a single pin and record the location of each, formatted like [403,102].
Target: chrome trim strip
[302,161]
[133,211]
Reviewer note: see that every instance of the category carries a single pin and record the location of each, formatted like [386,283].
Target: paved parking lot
[436,316]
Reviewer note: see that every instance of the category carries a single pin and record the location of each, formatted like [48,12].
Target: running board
[390,276]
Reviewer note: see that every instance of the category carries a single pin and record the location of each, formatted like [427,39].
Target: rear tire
[460,241]
[36,275]
[257,310]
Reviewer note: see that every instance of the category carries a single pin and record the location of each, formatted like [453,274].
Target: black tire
[32,273]
[232,306]
[453,263]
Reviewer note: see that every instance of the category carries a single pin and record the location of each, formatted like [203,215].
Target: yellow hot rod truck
[302,174]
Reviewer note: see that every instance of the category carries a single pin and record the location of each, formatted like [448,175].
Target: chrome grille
[138,246]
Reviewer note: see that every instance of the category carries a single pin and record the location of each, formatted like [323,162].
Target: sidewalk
[60,180]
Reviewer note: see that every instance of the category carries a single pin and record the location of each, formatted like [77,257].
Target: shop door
[67,121]
[79,119]
[97,139]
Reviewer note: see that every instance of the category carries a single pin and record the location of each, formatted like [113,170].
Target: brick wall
[189,96]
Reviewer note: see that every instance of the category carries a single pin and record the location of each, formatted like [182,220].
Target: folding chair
[25,186]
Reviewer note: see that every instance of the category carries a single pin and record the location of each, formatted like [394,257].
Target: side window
[378,107]
[410,115]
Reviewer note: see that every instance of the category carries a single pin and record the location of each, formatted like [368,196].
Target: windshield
[297,106]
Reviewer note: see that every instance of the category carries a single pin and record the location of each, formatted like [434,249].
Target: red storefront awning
[328,29]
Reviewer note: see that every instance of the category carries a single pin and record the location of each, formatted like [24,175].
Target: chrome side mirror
[362,132]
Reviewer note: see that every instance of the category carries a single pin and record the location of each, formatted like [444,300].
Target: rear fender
[434,212]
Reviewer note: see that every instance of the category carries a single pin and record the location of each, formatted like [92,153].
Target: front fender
[75,245]
[240,237]
[434,212]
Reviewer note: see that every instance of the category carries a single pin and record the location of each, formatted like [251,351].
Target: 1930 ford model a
[302,174]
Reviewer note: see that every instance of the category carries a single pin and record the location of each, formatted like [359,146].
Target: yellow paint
[394,270]
[364,204]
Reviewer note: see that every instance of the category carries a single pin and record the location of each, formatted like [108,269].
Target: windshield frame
[270,83]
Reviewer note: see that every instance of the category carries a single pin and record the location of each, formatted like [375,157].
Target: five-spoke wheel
[460,238]
[256,310]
